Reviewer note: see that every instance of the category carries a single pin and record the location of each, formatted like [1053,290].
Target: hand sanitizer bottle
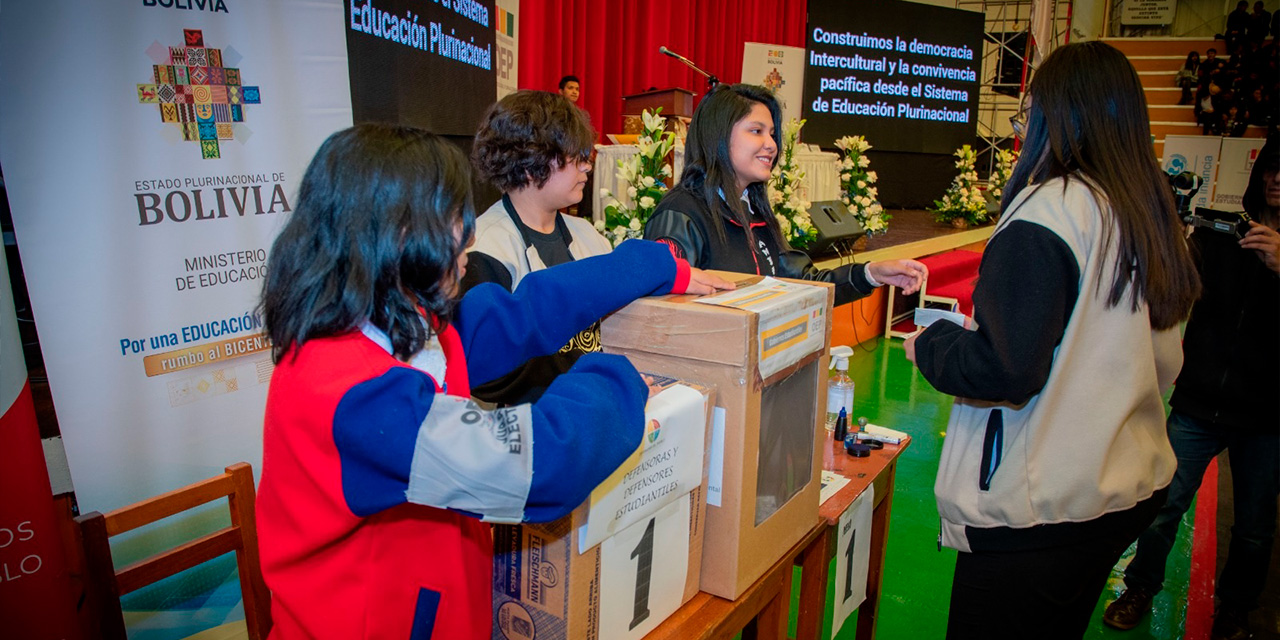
[840,386]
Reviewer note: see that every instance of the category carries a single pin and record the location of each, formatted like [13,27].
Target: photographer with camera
[1225,399]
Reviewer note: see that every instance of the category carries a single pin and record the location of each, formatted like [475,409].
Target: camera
[1234,223]
[1185,185]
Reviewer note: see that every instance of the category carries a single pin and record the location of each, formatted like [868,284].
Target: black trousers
[1042,592]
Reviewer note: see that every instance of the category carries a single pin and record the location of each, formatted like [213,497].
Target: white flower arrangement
[857,185]
[784,188]
[963,200]
[646,175]
[1005,160]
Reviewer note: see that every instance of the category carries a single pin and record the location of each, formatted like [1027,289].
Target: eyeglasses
[584,161]
[1019,121]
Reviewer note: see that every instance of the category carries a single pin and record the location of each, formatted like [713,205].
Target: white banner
[1148,11]
[779,69]
[506,21]
[1197,154]
[853,557]
[1237,158]
[151,151]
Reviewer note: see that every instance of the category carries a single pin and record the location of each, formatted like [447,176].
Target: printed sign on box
[548,585]
[791,319]
[642,573]
[667,465]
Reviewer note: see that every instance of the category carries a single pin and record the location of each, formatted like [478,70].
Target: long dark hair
[708,169]
[1254,201]
[1088,121]
[372,238]
[1193,61]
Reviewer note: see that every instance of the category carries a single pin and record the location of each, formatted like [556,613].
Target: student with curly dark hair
[380,475]
[535,147]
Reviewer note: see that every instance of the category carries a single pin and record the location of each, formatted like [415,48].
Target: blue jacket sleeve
[586,424]
[399,440]
[502,330]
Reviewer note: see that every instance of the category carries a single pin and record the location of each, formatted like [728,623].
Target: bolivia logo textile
[197,91]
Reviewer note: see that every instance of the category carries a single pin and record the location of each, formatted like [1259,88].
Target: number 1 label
[853,557]
[635,584]
[643,555]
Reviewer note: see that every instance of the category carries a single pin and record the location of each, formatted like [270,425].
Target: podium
[677,107]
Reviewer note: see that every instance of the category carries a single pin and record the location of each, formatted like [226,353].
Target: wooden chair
[105,585]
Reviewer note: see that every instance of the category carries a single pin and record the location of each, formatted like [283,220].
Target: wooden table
[879,469]
[761,611]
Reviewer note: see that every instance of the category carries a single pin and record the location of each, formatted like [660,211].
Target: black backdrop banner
[425,63]
[903,74]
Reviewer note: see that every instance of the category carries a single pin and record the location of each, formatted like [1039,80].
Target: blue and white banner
[152,149]
[1199,155]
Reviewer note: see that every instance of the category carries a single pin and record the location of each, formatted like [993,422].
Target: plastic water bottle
[840,386]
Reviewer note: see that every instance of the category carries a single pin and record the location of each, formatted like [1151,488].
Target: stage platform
[912,234]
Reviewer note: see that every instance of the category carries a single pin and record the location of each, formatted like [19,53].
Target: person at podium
[718,216]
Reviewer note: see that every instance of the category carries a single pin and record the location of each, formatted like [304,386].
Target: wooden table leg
[813,563]
[869,609]
[771,622]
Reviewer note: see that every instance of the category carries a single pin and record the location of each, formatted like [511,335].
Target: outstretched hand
[703,283]
[909,345]
[909,275]
[1265,242]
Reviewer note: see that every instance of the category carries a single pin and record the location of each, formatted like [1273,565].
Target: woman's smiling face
[751,147]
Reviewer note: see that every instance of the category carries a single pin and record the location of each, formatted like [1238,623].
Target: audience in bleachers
[1189,76]
[1240,90]
[1259,22]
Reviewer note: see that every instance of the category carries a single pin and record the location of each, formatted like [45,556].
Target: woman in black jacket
[718,216]
[1225,400]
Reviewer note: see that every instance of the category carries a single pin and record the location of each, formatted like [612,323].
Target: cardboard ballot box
[764,349]
[630,555]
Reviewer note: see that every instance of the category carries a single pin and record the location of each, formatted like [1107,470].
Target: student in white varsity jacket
[1056,455]
[535,147]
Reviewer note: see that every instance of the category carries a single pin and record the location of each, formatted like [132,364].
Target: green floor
[917,579]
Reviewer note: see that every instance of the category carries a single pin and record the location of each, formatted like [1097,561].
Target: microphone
[712,81]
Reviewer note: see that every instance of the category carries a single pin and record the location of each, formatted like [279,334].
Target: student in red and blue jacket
[379,473]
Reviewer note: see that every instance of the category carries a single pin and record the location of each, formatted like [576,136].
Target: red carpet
[1204,558]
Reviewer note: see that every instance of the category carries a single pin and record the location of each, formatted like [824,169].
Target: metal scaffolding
[1008,64]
